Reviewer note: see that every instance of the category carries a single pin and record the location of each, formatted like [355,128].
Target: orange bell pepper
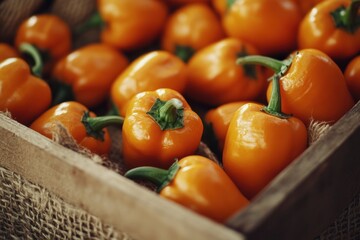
[23,95]
[214,78]
[260,142]
[271,26]
[7,51]
[80,124]
[312,85]
[218,120]
[333,28]
[221,6]
[46,38]
[307,5]
[128,24]
[191,28]
[352,77]
[86,74]
[153,70]
[197,183]
[159,126]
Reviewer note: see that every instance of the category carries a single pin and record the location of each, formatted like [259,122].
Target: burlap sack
[28,211]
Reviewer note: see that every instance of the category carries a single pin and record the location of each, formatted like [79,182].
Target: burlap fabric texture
[28,211]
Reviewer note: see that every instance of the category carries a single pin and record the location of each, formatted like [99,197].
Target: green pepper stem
[160,177]
[351,15]
[274,106]
[94,125]
[280,68]
[272,63]
[35,55]
[229,3]
[347,18]
[98,123]
[95,21]
[184,52]
[168,114]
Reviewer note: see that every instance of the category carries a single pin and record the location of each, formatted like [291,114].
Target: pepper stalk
[347,17]
[184,52]
[158,176]
[168,114]
[94,125]
[94,21]
[35,55]
[280,68]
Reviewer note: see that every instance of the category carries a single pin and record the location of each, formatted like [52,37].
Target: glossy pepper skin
[7,51]
[153,70]
[307,5]
[352,77]
[271,26]
[219,119]
[214,78]
[199,184]
[221,6]
[23,95]
[86,74]
[191,28]
[258,146]
[48,33]
[338,37]
[70,116]
[314,87]
[130,24]
[148,143]
[261,141]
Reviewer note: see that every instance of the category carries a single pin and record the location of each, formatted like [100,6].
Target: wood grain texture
[310,193]
[116,200]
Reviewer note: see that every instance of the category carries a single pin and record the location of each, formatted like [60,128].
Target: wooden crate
[302,200]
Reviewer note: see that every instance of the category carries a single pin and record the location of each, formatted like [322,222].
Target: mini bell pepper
[307,5]
[221,6]
[23,95]
[333,28]
[85,128]
[46,38]
[260,142]
[128,24]
[7,51]
[153,70]
[86,74]
[352,77]
[197,183]
[312,85]
[214,78]
[185,30]
[271,26]
[159,126]
[218,120]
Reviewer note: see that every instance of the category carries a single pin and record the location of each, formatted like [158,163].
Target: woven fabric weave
[28,211]
[347,225]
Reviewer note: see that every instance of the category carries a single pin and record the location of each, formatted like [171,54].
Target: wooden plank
[312,191]
[116,200]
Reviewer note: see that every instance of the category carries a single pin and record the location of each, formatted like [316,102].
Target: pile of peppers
[180,74]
